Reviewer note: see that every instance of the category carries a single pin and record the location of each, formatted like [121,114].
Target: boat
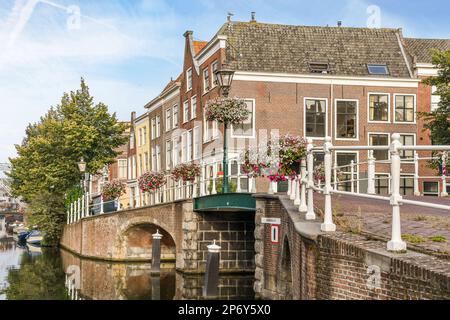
[22,236]
[34,238]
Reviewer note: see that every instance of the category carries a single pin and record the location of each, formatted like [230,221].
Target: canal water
[31,273]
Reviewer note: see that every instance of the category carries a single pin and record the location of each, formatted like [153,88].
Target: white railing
[297,187]
[171,191]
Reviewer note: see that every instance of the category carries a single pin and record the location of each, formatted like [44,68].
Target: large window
[154,168]
[153,128]
[214,67]
[379,107]
[158,126]
[430,188]
[206,82]
[315,117]
[210,129]
[404,108]
[168,119]
[122,168]
[168,154]
[435,99]
[175,116]
[407,140]
[146,162]
[247,127]
[189,79]
[176,151]
[382,184]
[186,111]
[197,144]
[189,146]
[158,158]
[345,159]
[184,151]
[346,119]
[379,139]
[407,185]
[194,107]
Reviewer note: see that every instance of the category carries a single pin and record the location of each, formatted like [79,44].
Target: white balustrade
[327,225]
[444,192]
[310,214]
[303,208]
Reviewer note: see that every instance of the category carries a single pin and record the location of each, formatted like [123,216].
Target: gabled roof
[421,48]
[172,84]
[199,45]
[262,47]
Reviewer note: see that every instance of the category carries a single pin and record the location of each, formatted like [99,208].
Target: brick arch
[285,267]
[134,239]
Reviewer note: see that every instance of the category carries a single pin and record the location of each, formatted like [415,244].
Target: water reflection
[30,273]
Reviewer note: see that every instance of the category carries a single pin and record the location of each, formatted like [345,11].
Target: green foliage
[438,238]
[219,181]
[72,195]
[47,158]
[414,239]
[438,121]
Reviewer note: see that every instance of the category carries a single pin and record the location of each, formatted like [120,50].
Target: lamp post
[224,78]
[85,178]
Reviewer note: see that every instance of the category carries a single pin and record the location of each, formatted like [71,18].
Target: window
[176,151]
[206,80]
[345,159]
[379,140]
[168,119]
[158,126]
[319,68]
[382,184]
[378,69]
[404,108]
[140,137]
[144,135]
[210,129]
[122,168]
[184,147]
[407,140]
[185,112]
[146,161]
[430,188]
[346,119]
[189,146]
[175,116]
[189,79]
[153,159]
[435,99]
[194,107]
[379,107]
[197,145]
[141,169]
[168,154]
[131,141]
[246,128]
[214,67]
[407,185]
[315,118]
[158,158]
[153,128]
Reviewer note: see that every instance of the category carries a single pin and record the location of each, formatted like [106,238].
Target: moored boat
[34,238]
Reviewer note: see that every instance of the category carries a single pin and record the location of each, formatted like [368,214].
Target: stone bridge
[126,236]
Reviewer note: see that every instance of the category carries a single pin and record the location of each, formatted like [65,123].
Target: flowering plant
[227,110]
[112,190]
[150,181]
[292,149]
[251,164]
[186,172]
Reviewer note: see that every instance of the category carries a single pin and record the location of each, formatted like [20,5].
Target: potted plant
[291,151]
[110,191]
[186,172]
[151,181]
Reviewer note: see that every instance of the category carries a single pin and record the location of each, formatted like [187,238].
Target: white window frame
[389,143]
[431,194]
[153,124]
[153,151]
[434,99]
[326,117]
[121,167]
[158,126]
[407,175]
[175,151]
[186,114]
[189,147]
[169,156]
[414,143]
[175,123]
[253,136]
[389,179]
[184,147]
[206,83]
[146,164]
[196,154]
[357,165]
[193,109]
[213,75]
[335,120]
[368,107]
[215,131]
[415,107]
[189,82]
[168,114]
[158,157]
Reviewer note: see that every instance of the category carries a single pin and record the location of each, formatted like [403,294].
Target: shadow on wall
[138,242]
[285,279]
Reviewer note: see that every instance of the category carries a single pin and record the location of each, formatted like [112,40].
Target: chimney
[253,17]
[339,23]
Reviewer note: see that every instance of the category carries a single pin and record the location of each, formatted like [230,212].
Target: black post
[211,287]
[156,287]
[156,252]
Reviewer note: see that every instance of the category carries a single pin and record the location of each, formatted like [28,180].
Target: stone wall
[308,264]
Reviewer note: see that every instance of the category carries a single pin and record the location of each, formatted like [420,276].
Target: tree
[438,121]
[46,165]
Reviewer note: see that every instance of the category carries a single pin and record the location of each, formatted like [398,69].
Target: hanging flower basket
[292,150]
[227,110]
[151,181]
[186,172]
[113,190]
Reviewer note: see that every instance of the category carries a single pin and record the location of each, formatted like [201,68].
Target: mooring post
[211,287]
[156,287]
[156,252]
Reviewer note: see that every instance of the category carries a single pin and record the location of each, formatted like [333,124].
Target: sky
[127,50]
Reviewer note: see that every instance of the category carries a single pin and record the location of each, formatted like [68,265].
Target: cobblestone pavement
[425,228]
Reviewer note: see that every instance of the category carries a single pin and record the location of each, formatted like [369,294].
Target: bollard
[211,287]
[156,252]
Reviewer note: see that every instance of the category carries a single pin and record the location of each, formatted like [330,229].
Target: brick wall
[338,265]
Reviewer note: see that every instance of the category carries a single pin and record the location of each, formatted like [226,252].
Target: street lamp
[82,165]
[85,180]
[224,78]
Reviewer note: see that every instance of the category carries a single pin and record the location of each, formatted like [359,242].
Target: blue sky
[128,49]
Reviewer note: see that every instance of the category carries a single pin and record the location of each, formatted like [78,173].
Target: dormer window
[378,69]
[319,68]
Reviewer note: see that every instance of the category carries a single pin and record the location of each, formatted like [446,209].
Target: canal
[32,273]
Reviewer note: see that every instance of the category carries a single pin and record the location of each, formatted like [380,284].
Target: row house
[357,85]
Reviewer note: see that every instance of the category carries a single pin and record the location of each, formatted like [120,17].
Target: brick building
[357,85]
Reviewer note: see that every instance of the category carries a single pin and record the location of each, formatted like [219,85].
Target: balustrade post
[203,181]
[444,192]
[83,210]
[396,243]
[102,206]
[289,187]
[297,187]
[71,212]
[328,225]
[238,179]
[270,191]
[78,209]
[335,182]
[310,214]
[416,174]
[371,173]
[253,189]
[68,216]
[87,213]
[292,184]
[352,180]
[303,208]
[194,188]
[214,190]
